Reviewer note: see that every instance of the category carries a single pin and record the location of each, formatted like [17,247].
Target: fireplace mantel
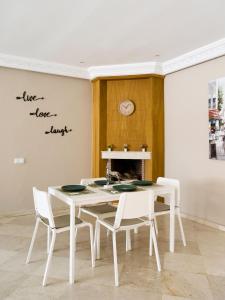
[126,155]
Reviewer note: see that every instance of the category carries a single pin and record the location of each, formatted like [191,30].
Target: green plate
[125,187]
[73,188]
[142,182]
[103,182]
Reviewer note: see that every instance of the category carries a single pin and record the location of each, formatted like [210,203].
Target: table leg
[72,244]
[172,221]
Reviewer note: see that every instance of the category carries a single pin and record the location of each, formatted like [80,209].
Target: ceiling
[107,32]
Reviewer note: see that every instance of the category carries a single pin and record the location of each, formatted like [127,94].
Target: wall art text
[25,97]
[38,113]
[41,114]
[60,131]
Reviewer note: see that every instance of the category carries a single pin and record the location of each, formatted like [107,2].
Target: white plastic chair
[55,225]
[99,211]
[164,208]
[131,207]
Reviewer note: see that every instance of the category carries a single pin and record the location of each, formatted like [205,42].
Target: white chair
[55,225]
[164,208]
[99,211]
[131,207]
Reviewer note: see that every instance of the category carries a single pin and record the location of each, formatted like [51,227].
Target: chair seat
[62,221]
[100,209]
[124,222]
[159,206]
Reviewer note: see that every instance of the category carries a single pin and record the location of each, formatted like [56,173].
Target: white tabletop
[99,194]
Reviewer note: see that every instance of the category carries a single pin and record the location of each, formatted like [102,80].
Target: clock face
[126,107]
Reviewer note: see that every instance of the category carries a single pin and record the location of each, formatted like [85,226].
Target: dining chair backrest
[134,205]
[86,181]
[171,182]
[43,206]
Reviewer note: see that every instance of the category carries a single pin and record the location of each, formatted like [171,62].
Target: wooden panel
[149,133]
[99,122]
[158,128]
[135,129]
[95,125]
[127,129]
[145,126]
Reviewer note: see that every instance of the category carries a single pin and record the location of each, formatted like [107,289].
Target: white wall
[186,141]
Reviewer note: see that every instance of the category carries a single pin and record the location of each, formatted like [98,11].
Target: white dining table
[95,195]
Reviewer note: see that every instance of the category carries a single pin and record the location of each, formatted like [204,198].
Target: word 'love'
[40,114]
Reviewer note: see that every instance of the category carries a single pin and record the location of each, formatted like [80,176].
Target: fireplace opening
[127,168]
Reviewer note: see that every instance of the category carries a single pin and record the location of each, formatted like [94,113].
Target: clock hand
[126,106]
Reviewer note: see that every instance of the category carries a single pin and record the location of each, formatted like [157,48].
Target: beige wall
[54,160]
[50,159]
[186,141]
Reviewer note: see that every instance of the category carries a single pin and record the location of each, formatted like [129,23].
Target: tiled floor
[193,272]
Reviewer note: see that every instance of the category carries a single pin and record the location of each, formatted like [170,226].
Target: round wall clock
[126,107]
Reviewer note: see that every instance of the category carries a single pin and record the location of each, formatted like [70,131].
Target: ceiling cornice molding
[186,60]
[22,63]
[125,69]
[195,57]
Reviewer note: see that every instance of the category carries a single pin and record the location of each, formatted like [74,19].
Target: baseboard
[63,211]
[204,222]
[31,212]
[17,213]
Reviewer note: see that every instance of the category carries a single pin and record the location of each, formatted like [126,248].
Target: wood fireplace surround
[144,126]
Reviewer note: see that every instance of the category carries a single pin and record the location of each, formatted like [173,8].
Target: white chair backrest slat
[171,182]
[134,205]
[43,205]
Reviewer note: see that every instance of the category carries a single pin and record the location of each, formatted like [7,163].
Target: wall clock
[126,107]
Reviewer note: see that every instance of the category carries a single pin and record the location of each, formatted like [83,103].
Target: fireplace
[127,168]
[130,165]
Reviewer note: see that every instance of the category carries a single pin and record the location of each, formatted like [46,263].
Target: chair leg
[32,240]
[92,246]
[97,240]
[150,238]
[128,241]
[150,241]
[181,227]
[49,258]
[79,212]
[156,226]
[136,230]
[48,238]
[108,232]
[115,259]
[155,247]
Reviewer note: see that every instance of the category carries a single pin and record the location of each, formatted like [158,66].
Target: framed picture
[216,107]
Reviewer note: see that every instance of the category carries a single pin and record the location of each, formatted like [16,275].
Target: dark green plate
[73,188]
[103,182]
[142,182]
[125,187]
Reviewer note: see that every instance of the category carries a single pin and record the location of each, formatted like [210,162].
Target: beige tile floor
[193,272]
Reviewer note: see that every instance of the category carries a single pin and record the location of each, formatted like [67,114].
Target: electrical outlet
[19,160]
